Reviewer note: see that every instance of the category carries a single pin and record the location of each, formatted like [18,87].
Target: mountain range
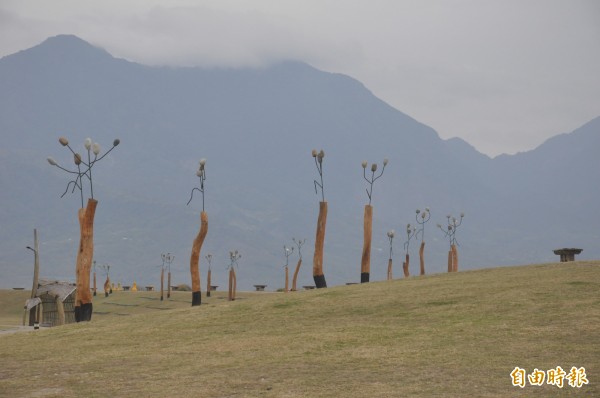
[256,127]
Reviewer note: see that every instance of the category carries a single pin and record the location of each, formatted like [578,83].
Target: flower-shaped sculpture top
[84,168]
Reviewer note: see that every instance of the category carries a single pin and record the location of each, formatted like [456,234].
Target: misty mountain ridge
[256,127]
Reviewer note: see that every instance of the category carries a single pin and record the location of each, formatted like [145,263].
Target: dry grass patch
[439,335]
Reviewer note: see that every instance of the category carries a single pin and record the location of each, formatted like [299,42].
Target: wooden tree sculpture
[390,235]
[365,265]
[410,233]
[199,240]
[106,272]
[422,217]
[166,259]
[208,258]
[83,296]
[234,256]
[450,233]
[318,275]
[287,251]
[299,244]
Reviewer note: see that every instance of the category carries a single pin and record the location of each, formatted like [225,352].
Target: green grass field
[455,335]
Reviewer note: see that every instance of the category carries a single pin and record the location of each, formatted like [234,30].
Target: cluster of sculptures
[83,173]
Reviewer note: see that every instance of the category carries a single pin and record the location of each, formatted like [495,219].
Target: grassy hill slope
[439,335]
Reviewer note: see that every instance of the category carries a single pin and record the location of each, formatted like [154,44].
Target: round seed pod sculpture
[83,173]
[299,244]
[199,239]
[365,265]
[422,217]
[390,236]
[450,233]
[318,275]
[287,251]
[410,233]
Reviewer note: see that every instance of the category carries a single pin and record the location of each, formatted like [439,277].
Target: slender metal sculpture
[94,289]
[422,217]
[299,244]
[318,275]
[168,259]
[390,236]
[450,233]
[234,256]
[365,265]
[287,251]
[199,240]
[410,233]
[83,296]
[35,311]
[208,258]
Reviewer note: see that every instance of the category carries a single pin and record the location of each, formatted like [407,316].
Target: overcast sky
[504,75]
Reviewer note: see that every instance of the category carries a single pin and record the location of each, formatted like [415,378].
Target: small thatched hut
[55,302]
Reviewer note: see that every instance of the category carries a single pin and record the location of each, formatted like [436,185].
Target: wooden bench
[260,288]
[149,288]
[308,287]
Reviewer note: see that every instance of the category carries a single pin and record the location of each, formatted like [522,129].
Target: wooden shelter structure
[54,303]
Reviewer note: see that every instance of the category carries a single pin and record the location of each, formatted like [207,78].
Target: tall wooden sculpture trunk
[287,279]
[208,282]
[389,270]
[454,252]
[83,296]
[232,284]
[169,285]
[318,275]
[406,265]
[422,258]
[162,283]
[295,278]
[106,287]
[195,259]
[365,265]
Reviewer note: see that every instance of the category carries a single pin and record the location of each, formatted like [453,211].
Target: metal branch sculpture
[422,217]
[199,240]
[318,275]
[94,288]
[168,259]
[287,251]
[234,256]
[299,244]
[450,233]
[208,258]
[365,265]
[390,236]
[83,296]
[410,233]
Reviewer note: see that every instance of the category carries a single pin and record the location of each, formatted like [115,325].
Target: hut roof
[55,288]
[32,302]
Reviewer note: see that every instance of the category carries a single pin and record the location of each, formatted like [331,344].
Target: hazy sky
[502,74]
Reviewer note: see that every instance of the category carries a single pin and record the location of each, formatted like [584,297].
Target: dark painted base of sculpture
[83,313]
[364,277]
[320,281]
[208,293]
[196,299]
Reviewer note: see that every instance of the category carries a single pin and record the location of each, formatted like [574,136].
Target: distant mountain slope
[257,127]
